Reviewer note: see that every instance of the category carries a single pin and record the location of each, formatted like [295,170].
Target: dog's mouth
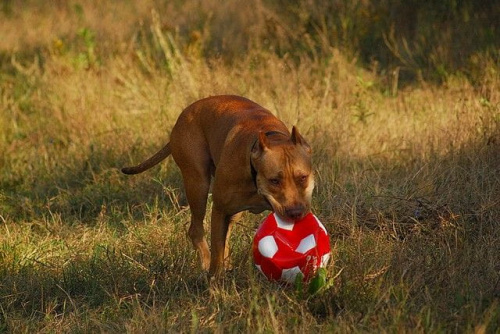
[292,214]
[289,213]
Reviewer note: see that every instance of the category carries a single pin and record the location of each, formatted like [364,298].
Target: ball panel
[268,247]
[270,269]
[267,227]
[283,224]
[324,260]
[319,223]
[306,244]
[323,244]
[288,275]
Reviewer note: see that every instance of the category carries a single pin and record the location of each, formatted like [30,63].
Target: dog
[247,157]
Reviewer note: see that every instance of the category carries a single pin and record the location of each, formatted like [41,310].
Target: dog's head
[284,174]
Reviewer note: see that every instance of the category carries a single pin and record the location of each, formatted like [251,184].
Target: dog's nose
[295,212]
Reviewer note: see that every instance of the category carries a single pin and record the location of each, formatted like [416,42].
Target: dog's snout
[295,212]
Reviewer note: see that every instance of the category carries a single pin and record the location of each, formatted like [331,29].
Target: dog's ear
[261,145]
[297,139]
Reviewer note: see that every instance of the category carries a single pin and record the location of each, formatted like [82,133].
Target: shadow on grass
[108,278]
[415,195]
[419,238]
[82,191]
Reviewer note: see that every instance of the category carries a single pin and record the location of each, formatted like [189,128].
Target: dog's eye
[302,179]
[275,182]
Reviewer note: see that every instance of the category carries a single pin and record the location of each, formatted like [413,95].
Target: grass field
[407,172]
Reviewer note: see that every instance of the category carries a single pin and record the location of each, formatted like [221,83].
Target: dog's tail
[145,165]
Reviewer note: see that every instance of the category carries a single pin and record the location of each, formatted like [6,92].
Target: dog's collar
[253,171]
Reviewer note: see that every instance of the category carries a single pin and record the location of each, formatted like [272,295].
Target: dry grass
[408,181]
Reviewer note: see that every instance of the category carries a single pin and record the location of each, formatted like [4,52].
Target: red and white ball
[283,249]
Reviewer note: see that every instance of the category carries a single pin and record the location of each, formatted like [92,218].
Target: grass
[408,181]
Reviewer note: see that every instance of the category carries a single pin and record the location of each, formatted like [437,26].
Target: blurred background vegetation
[415,40]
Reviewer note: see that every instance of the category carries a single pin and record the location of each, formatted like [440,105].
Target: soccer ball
[283,249]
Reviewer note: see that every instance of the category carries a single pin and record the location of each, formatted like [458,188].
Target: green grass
[408,182]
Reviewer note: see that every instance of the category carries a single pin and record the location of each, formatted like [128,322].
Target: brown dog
[250,158]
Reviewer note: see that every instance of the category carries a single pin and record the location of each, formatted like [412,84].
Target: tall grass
[407,176]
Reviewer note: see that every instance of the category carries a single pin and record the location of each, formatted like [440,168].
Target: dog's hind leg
[197,189]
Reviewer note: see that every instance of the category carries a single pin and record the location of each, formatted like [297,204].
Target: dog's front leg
[220,229]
